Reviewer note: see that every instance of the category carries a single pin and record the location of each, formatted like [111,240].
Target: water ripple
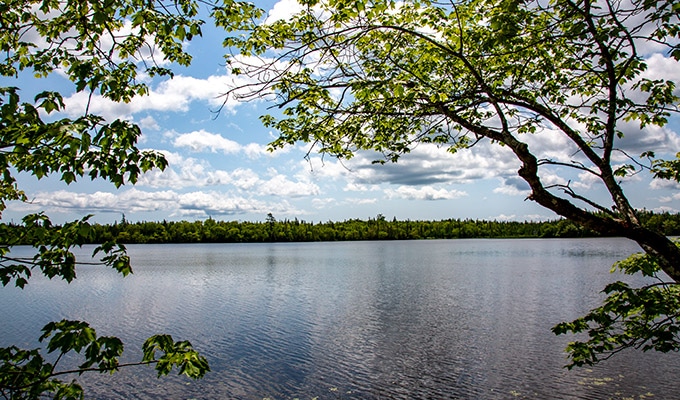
[369,320]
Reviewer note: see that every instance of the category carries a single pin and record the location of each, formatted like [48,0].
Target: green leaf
[174,354]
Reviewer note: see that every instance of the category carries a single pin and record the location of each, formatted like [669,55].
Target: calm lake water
[466,319]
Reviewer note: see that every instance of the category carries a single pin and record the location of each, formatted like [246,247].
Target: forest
[378,228]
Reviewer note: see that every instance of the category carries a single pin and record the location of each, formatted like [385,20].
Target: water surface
[463,319]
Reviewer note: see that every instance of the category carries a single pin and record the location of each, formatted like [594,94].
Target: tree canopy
[386,76]
[104,48]
[299,230]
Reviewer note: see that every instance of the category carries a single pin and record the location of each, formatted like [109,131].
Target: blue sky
[219,166]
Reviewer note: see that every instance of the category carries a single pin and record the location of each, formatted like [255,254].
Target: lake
[438,319]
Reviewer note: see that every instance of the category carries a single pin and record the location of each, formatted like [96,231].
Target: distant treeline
[379,228]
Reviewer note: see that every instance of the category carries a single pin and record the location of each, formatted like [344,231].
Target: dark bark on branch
[650,241]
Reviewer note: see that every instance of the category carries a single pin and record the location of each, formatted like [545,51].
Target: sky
[219,166]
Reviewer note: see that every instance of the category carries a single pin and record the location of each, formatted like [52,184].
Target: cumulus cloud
[668,199]
[503,217]
[658,139]
[320,203]
[355,187]
[362,201]
[202,140]
[526,217]
[658,67]
[218,203]
[183,172]
[150,123]
[189,172]
[549,178]
[425,165]
[661,67]
[584,182]
[172,203]
[664,184]
[108,42]
[429,166]
[131,200]
[552,145]
[245,179]
[513,186]
[283,10]
[280,185]
[174,95]
[664,209]
[423,193]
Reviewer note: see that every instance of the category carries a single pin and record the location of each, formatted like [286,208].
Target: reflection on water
[416,319]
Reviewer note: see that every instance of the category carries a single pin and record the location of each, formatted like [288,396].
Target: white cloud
[188,172]
[511,187]
[425,165]
[661,67]
[172,95]
[503,217]
[668,199]
[150,123]
[323,203]
[255,150]
[525,217]
[428,165]
[220,203]
[664,184]
[661,140]
[131,200]
[183,172]
[537,217]
[355,187]
[280,185]
[552,145]
[664,209]
[585,181]
[196,203]
[283,10]
[245,179]
[658,67]
[217,203]
[148,53]
[202,140]
[548,178]
[362,201]
[423,193]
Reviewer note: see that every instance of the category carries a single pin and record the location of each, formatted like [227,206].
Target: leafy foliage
[387,76]
[103,48]
[646,318]
[54,257]
[667,169]
[174,354]
[76,34]
[26,374]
